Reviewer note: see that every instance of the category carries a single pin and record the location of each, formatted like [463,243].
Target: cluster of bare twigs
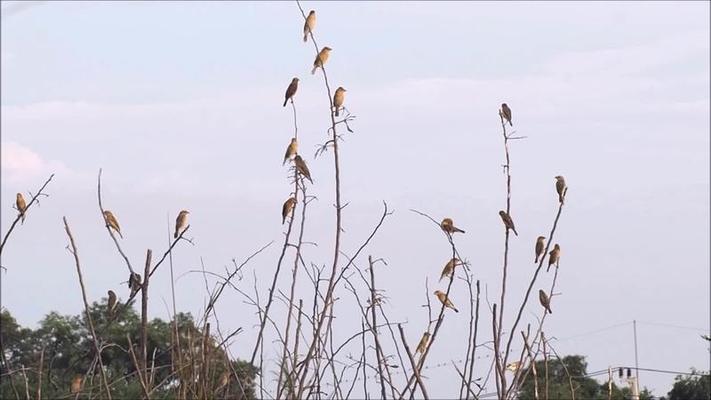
[311,362]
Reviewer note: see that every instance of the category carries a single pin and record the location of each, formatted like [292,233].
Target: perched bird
[540,247]
[321,59]
[302,168]
[561,188]
[338,98]
[553,256]
[506,112]
[443,298]
[291,90]
[513,366]
[447,225]
[310,24]
[76,384]
[21,205]
[134,283]
[111,222]
[111,305]
[224,379]
[286,208]
[545,301]
[181,223]
[449,268]
[423,343]
[508,221]
[291,150]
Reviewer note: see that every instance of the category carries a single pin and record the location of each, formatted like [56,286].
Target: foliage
[691,387]
[68,351]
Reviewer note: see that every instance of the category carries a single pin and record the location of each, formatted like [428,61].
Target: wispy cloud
[21,164]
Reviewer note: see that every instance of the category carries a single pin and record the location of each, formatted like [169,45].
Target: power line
[674,326]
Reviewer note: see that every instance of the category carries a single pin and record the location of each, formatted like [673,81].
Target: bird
[513,366]
[338,98]
[545,301]
[447,225]
[443,298]
[506,112]
[508,221]
[423,343]
[561,188]
[76,384]
[310,24]
[224,379]
[321,59]
[134,283]
[21,206]
[302,168]
[553,256]
[449,268]
[291,90]
[286,208]
[540,247]
[291,150]
[181,223]
[111,304]
[111,222]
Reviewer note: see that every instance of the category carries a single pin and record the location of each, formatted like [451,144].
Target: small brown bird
[291,90]
[545,301]
[506,112]
[134,283]
[291,150]
[443,298]
[338,98]
[508,221]
[513,366]
[111,222]
[111,304]
[423,343]
[561,188]
[76,384]
[286,208]
[181,223]
[21,206]
[449,268]
[553,256]
[321,59]
[540,246]
[302,168]
[447,225]
[310,24]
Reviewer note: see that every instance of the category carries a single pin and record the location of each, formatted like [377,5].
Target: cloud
[20,163]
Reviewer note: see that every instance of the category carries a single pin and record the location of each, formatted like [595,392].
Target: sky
[180,104]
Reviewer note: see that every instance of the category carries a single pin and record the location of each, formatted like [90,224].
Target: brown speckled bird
[545,301]
[321,59]
[513,366]
[76,384]
[134,283]
[540,247]
[291,150]
[449,268]
[286,208]
[291,90]
[508,221]
[181,223]
[309,24]
[21,206]
[561,188]
[447,225]
[423,343]
[111,222]
[338,98]
[553,257]
[445,300]
[506,112]
[111,304]
[302,168]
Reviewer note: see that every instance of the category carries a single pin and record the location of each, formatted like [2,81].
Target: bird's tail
[549,267]
[549,310]
[510,123]
[175,235]
[560,198]
[119,232]
[313,71]
[455,310]
[306,36]
[514,231]
[337,110]
[536,260]
[285,100]
[459,230]
[23,217]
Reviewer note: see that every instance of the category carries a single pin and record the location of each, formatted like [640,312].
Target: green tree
[693,387]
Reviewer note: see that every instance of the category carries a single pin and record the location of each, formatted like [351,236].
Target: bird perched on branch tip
[338,98]
[291,150]
[506,113]
[181,223]
[445,300]
[309,24]
[447,225]
[302,168]
[291,90]
[21,206]
[321,59]
[508,222]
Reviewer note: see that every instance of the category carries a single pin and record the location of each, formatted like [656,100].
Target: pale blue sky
[180,104]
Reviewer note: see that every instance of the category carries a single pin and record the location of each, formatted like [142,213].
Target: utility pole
[636,361]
